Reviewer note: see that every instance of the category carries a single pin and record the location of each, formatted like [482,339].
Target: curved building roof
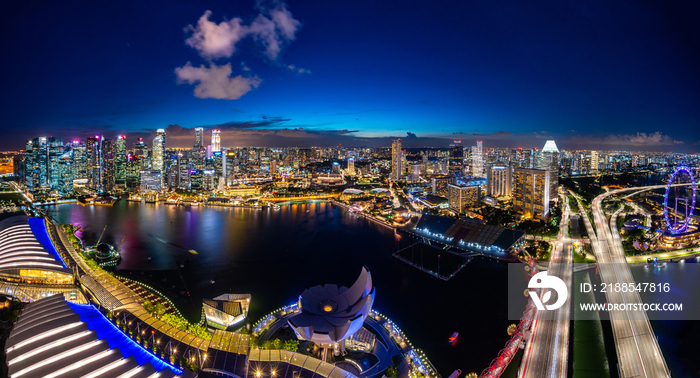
[53,338]
[25,244]
[330,314]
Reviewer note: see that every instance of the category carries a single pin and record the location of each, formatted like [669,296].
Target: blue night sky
[587,74]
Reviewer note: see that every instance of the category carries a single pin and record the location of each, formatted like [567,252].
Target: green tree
[267,344]
[148,306]
[160,309]
[291,345]
[277,343]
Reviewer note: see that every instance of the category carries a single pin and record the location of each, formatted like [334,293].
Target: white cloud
[213,40]
[216,81]
[272,29]
[298,70]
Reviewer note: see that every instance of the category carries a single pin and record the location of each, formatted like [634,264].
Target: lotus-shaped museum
[328,314]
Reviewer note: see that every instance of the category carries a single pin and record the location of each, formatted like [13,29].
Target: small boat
[150,258]
[212,282]
[192,251]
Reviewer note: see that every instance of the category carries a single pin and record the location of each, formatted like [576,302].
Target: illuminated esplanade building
[30,265]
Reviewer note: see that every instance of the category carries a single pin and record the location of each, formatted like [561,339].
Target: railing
[505,356]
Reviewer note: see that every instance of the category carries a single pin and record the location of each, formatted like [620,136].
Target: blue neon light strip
[106,330]
[38,227]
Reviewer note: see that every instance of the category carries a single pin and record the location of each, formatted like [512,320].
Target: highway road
[547,350]
[638,352]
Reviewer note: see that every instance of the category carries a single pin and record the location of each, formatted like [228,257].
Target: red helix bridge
[505,356]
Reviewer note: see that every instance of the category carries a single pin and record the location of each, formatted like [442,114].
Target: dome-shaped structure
[329,314]
[103,251]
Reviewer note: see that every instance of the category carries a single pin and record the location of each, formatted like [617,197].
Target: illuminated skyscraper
[158,161]
[55,151]
[440,184]
[531,192]
[498,181]
[351,166]
[79,161]
[107,165]
[120,159]
[65,174]
[478,159]
[140,152]
[594,161]
[198,135]
[464,196]
[36,164]
[396,171]
[95,162]
[550,162]
[215,141]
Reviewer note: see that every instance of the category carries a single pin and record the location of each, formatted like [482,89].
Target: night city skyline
[281,74]
[190,189]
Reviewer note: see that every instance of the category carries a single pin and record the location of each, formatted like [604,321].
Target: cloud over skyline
[273,28]
[627,140]
[216,81]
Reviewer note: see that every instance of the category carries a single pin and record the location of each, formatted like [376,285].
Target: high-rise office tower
[440,185]
[65,173]
[55,151]
[594,162]
[133,169]
[80,164]
[120,159]
[396,156]
[215,141]
[158,161]
[463,196]
[351,166]
[140,152]
[94,162]
[531,192]
[198,138]
[478,159]
[498,181]
[550,161]
[218,163]
[36,164]
[107,165]
[456,153]
[199,153]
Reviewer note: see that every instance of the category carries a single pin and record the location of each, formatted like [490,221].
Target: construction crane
[122,241]
[101,235]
